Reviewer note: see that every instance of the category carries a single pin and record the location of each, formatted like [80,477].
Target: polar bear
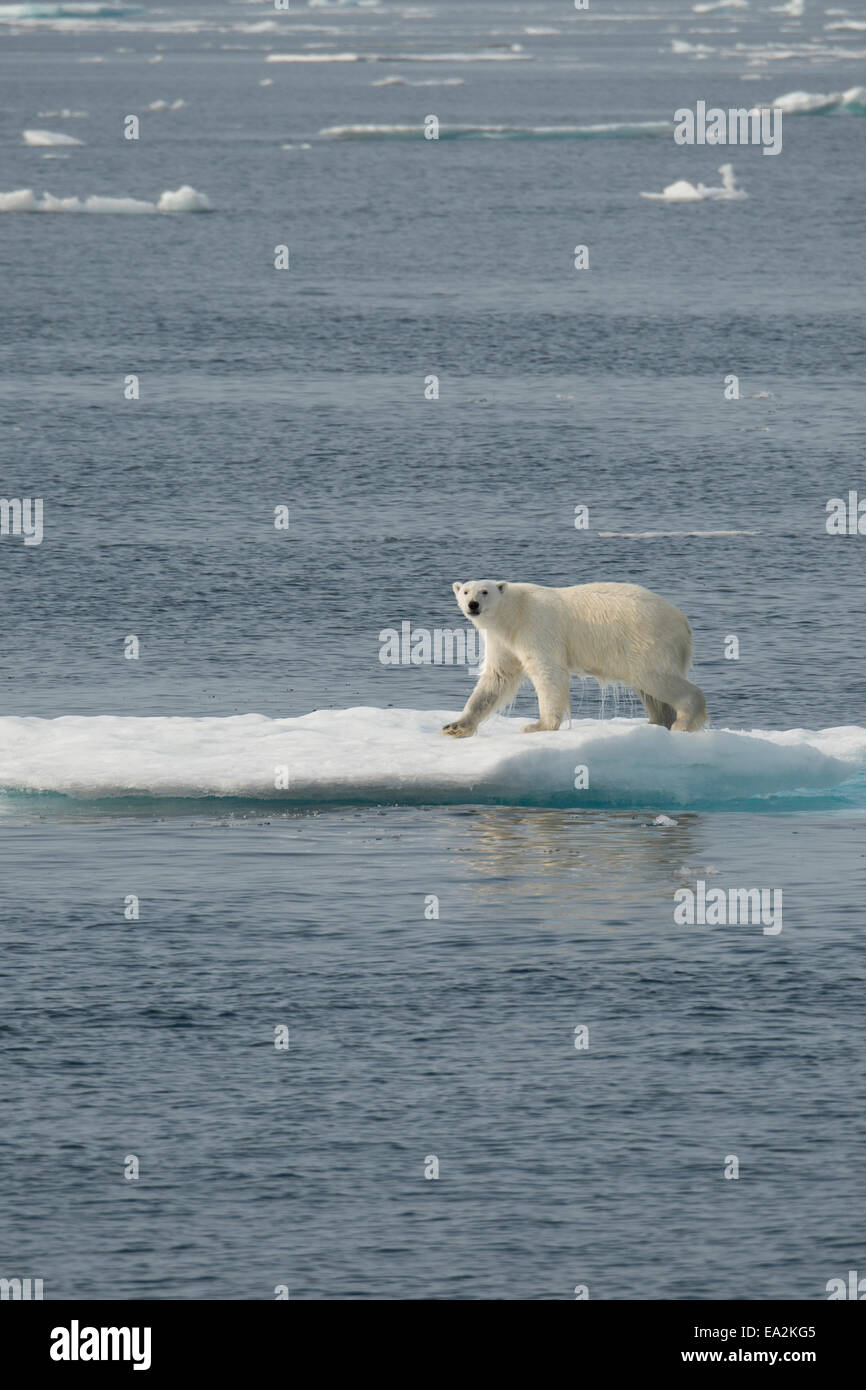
[614,632]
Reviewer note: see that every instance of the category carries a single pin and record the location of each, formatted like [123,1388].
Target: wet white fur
[614,632]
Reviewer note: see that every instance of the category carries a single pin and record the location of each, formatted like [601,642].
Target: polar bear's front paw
[531,729]
[458,729]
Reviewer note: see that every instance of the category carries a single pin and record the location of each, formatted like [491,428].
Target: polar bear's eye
[484,592]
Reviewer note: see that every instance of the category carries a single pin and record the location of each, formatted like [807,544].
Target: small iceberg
[49,137]
[851,103]
[183,199]
[684,192]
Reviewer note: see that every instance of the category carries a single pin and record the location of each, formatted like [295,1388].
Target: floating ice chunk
[684,192]
[729,187]
[66,11]
[184,199]
[852,102]
[679,192]
[395,80]
[397,755]
[313,58]
[49,137]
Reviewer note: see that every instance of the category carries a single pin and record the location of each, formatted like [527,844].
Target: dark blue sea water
[409,1035]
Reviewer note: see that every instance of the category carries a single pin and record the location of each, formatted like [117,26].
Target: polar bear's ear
[500,584]
[458,586]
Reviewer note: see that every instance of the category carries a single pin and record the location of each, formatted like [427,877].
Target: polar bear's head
[479,599]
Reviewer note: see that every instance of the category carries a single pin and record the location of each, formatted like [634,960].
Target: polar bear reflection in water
[614,632]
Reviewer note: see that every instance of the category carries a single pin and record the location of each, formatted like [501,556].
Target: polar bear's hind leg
[658,711]
[686,699]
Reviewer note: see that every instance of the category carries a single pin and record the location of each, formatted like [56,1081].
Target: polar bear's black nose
[473,605]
